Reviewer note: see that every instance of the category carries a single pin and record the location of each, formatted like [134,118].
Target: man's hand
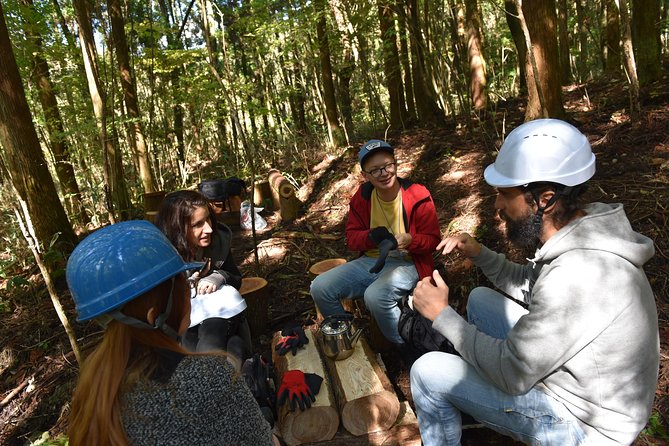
[464,243]
[430,300]
[403,241]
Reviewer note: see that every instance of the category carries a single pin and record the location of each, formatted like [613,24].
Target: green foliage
[654,428]
[46,440]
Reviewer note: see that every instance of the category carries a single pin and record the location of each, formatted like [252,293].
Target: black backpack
[418,334]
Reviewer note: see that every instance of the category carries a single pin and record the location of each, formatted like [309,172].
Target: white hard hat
[543,150]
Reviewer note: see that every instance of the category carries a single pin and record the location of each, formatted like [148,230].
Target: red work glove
[293,339]
[299,389]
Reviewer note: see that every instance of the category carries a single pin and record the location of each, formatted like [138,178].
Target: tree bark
[426,105]
[646,38]
[115,187]
[511,13]
[347,65]
[391,66]
[612,59]
[54,122]
[335,130]
[563,42]
[406,66]
[582,59]
[477,65]
[128,83]
[628,59]
[543,71]
[24,158]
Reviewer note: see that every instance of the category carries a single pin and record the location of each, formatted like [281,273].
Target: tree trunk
[477,65]
[391,66]
[24,158]
[563,42]
[347,66]
[116,191]
[137,139]
[646,38]
[612,39]
[54,122]
[519,40]
[406,66]
[582,60]
[543,70]
[426,105]
[337,136]
[628,59]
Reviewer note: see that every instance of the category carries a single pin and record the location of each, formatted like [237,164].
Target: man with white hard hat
[578,362]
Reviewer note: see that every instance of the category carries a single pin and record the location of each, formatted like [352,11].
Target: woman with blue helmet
[139,386]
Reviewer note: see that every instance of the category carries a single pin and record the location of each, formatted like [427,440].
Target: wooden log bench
[318,423]
[355,391]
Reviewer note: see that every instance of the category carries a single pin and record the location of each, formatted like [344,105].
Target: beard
[524,232]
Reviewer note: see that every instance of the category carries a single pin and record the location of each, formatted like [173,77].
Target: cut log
[321,421]
[366,398]
[324,265]
[151,216]
[262,196]
[152,200]
[404,433]
[283,196]
[256,293]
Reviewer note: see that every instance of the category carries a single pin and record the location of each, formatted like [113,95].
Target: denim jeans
[382,291]
[443,385]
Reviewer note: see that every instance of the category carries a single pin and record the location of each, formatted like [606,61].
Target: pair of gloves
[386,243]
[293,339]
[299,389]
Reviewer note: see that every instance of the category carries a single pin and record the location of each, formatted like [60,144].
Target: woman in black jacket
[218,319]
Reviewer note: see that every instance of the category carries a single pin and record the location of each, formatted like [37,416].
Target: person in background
[218,320]
[393,223]
[140,386]
[579,365]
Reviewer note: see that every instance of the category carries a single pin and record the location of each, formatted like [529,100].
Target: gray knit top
[193,400]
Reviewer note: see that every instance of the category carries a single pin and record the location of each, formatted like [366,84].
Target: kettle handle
[338,317]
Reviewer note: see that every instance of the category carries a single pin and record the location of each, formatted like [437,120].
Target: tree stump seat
[256,293]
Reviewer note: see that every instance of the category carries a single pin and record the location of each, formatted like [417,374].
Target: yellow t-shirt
[388,214]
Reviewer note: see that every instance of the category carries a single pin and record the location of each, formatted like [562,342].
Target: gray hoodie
[590,338]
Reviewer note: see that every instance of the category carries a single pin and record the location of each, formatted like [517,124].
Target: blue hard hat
[372,146]
[119,262]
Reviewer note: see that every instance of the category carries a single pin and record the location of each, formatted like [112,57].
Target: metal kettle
[338,336]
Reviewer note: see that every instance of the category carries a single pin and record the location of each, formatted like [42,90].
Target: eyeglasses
[389,168]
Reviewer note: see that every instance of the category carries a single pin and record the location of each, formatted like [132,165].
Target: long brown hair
[125,355]
[174,216]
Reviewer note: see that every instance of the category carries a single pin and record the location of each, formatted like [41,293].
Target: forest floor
[38,372]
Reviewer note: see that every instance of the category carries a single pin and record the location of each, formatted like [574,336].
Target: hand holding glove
[299,389]
[293,338]
[381,233]
[384,248]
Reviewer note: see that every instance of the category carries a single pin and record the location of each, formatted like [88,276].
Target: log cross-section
[366,398]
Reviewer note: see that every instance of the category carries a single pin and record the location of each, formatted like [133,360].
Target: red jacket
[420,220]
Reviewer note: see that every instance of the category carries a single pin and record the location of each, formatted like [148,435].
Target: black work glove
[259,376]
[381,233]
[293,338]
[299,389]
[384,248]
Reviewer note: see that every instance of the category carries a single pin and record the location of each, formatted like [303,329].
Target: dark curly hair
[566,206]
[174,217]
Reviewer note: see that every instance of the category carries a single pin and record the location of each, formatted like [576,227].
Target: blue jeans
[442,385]
[382,291]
